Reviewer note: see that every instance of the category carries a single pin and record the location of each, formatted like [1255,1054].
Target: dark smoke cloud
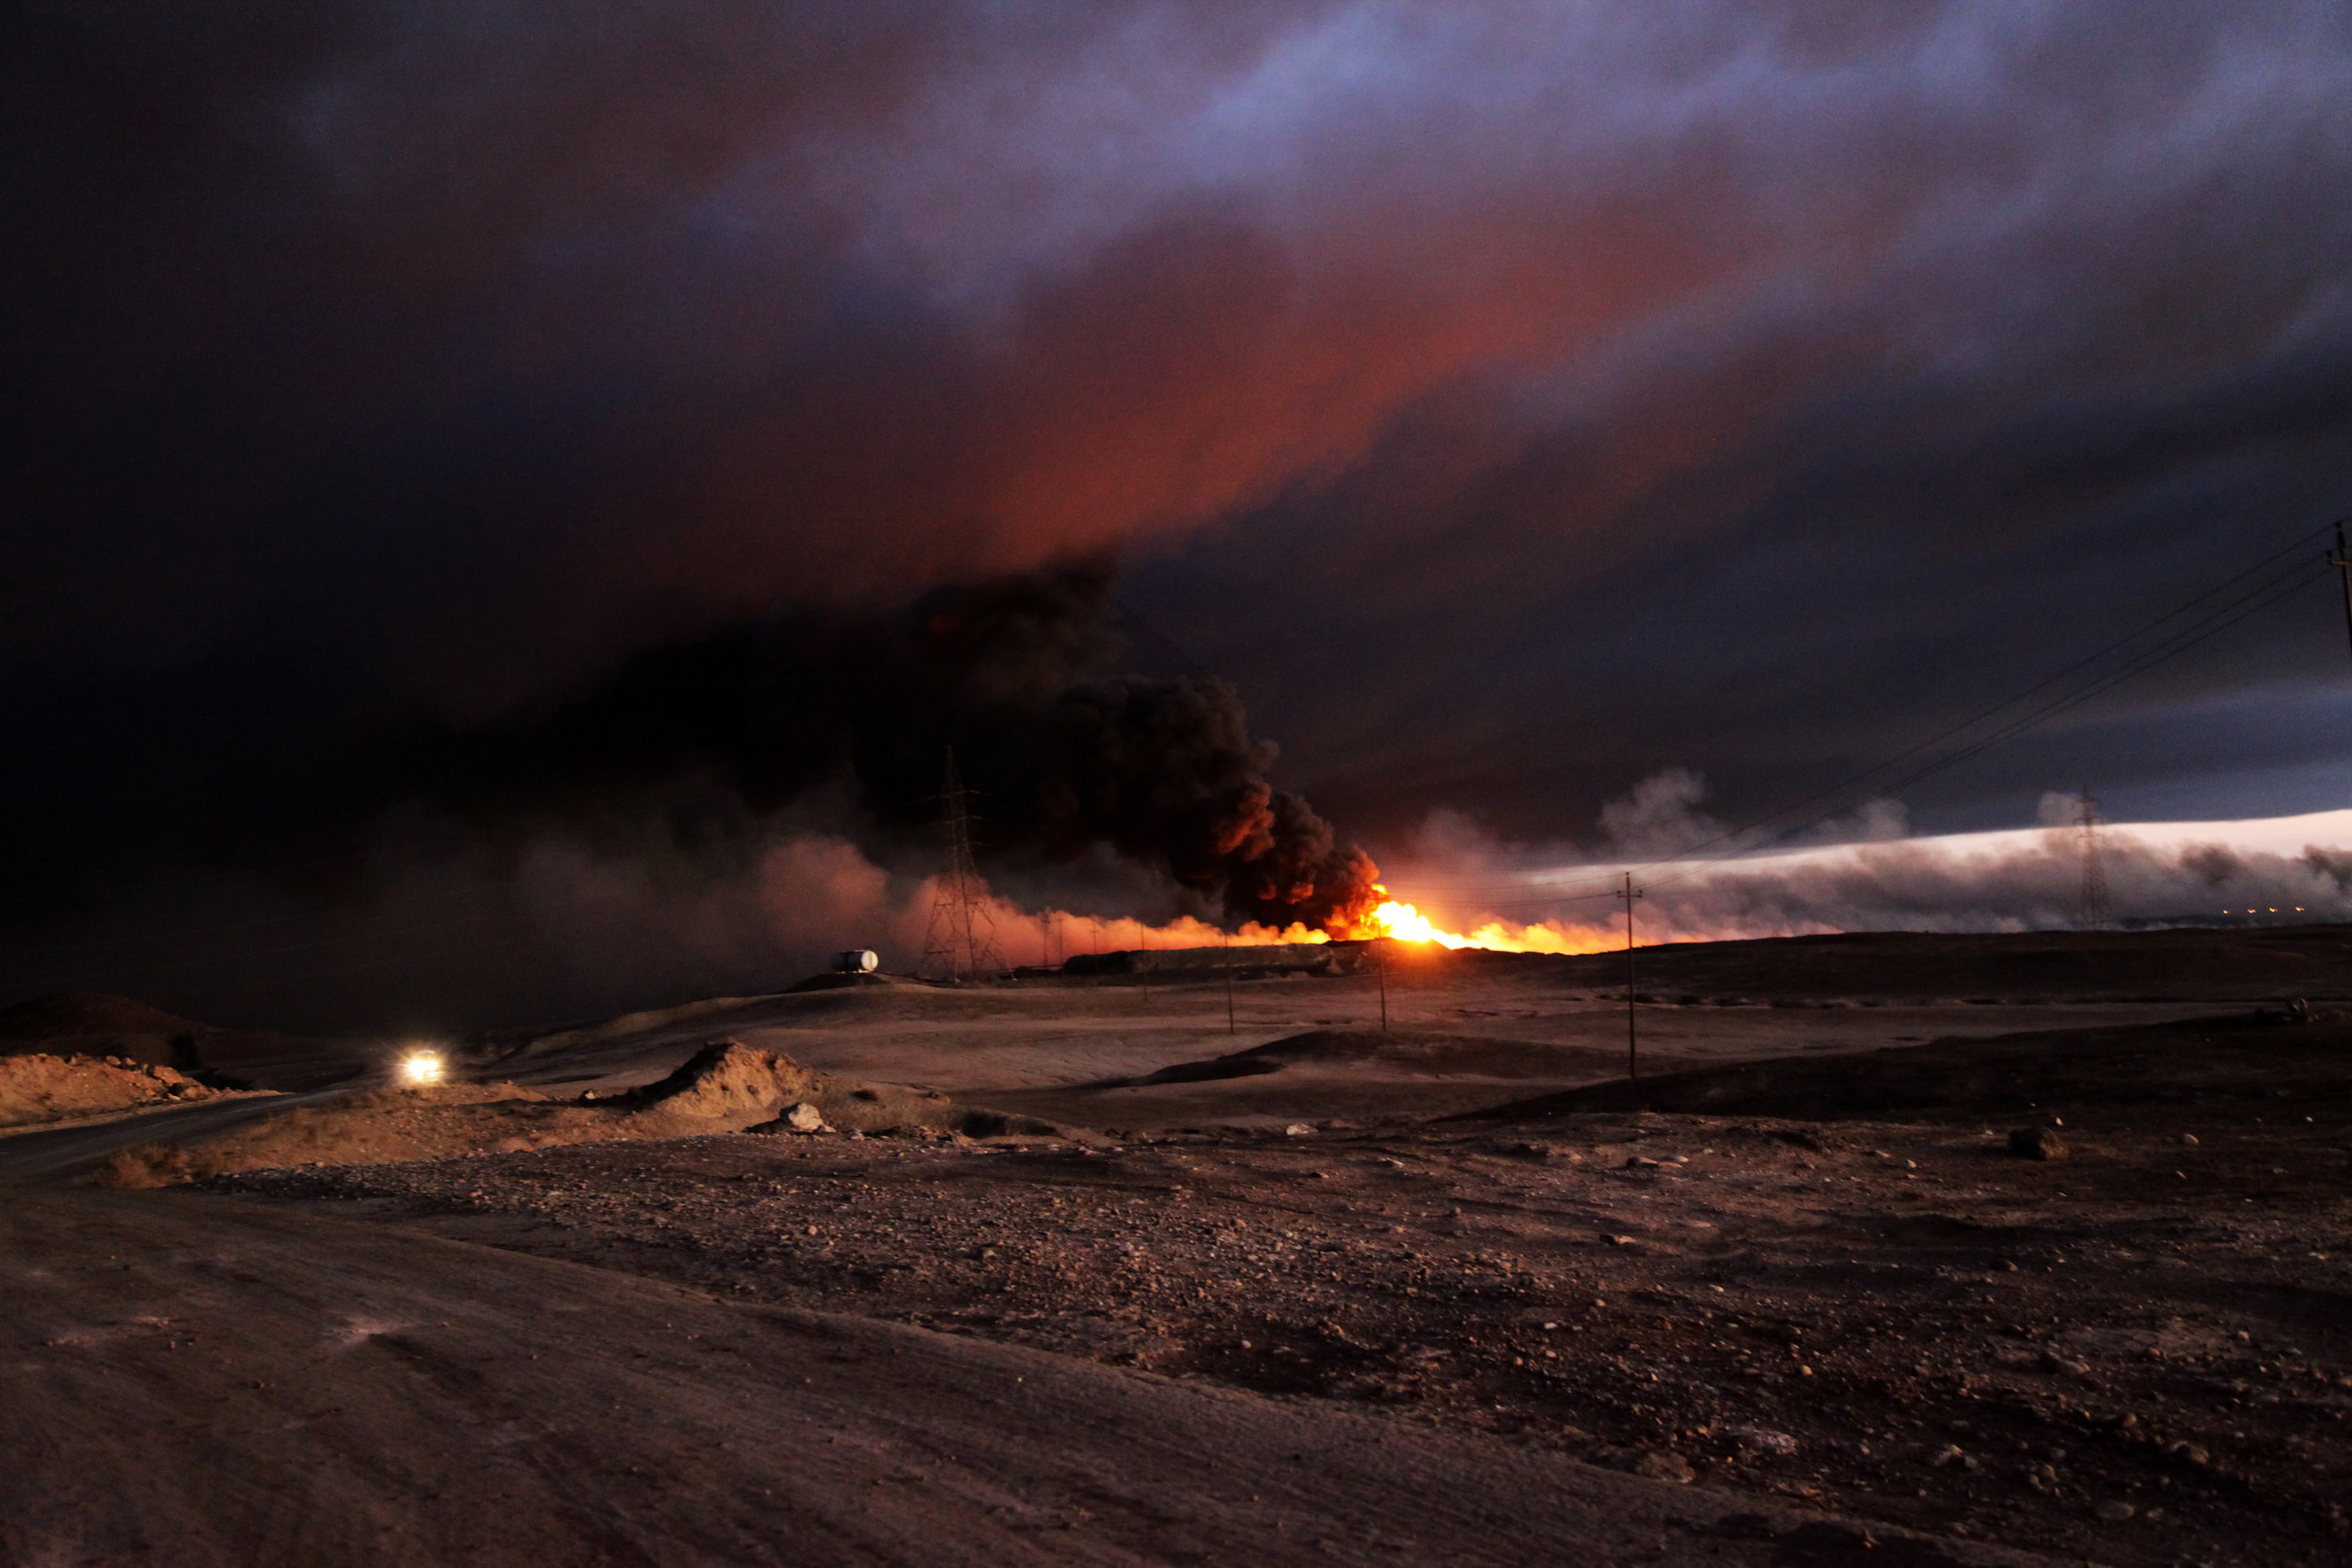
[1005,676]
[641,832]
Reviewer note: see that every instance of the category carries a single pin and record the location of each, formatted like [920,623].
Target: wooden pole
[1632,1041]
[1228,983]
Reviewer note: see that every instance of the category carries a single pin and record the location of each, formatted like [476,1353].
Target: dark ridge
[2262,964]
[1408,1049]
[2203,1067]
[93,1023]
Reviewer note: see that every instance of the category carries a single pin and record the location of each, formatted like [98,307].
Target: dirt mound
[727,1086]
[731,1085]
[848,982]
[38,1088]
[374,1127]
[726,1081]
[1404,1050]
[2243,1063]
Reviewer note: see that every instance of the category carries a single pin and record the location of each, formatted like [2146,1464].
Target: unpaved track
[49,1153]
[190,1380]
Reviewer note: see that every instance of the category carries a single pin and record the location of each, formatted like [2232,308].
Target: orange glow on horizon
[1054,935]
[1398,921]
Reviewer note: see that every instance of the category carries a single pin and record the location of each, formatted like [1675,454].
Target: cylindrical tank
[857,960]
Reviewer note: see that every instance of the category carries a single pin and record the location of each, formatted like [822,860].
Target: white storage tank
[857,960]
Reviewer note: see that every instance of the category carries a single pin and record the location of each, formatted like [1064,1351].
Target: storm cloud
[1508,398]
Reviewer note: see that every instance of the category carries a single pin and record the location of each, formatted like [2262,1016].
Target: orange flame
[1402,922]
[1398,921]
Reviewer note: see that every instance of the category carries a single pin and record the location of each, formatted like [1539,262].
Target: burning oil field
[650,913]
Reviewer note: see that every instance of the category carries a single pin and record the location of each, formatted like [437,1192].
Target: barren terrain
[1795,1296]
[38,1088]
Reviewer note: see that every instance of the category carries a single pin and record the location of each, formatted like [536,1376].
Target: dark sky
[1511,400]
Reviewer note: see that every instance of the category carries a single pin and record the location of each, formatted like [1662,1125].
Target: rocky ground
[2138,1353]
[1794,1287]
[40,1088]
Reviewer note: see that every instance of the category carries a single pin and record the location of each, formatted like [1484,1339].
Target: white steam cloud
[1861,874]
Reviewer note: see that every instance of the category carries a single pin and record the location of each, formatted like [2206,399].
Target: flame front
[1402,922]
[1398,921]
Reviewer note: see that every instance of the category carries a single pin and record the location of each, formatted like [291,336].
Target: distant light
[422,1068]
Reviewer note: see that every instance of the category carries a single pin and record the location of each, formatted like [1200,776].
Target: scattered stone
[1665,1466]
[1656,1464]
[2115,1513]
[2187,1140]
[800,1116]
[2037,1143]
[1298,1129]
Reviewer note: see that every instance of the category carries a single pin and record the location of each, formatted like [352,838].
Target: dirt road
[49,1153]
[193,1380]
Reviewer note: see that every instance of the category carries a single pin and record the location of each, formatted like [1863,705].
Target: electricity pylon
[2097,913]
[961,941]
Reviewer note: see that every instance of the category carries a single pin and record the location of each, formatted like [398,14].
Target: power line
[2275,587]
[2052,710]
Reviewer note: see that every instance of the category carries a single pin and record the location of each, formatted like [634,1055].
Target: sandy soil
[194,1381]
[1073,1050]
[36,1088]
[2140,1353]
[725,1087]
[1448,1292]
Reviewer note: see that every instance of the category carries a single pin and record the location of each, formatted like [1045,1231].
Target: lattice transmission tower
[2097,913]
[960,942]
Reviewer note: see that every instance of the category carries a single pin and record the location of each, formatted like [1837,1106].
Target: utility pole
[1380,966]
[1632,1053]
[1228,983]
[2097,911]
[2341,562]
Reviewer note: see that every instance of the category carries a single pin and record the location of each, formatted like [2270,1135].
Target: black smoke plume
[1013,675]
